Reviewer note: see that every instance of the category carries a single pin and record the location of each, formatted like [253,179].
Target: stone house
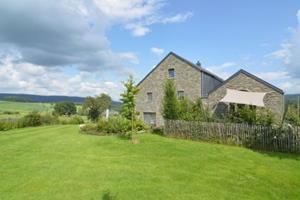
[193,81]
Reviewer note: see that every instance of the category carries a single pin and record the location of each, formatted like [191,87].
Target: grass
[23,108]
[56,162]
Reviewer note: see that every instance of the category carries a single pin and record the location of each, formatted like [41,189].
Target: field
[19,109]
[22,108]
[56,162]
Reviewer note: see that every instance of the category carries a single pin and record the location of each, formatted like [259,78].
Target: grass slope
[56,162]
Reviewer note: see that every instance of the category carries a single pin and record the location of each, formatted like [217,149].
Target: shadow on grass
[281,156]
[107,195]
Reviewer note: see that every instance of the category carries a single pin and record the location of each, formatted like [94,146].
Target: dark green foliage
[128,99]
[185,109]
[114,125]
[199,112]
[37,119]
[193,111]
[251,116]
[170,107]
[32,119]
[108,196]
[7,125]
[11,112]
[291,116]
[95,106]
[16,99]
[65,108]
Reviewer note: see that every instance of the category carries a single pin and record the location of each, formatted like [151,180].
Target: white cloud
[132,57]
[28,78]
[177,18]
[138,15]
[35,54]
[289,52]
[157,51]
[222,69]
[138,30]
[273,76]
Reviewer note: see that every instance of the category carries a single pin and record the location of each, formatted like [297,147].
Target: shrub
[75,119]
[7,125]
[140,125]
[11,112]
[115,124]
[89,129]
[292,115]
[32,119]
[48,119]
[118,124]
[65,108]
[247,115]
[265,117]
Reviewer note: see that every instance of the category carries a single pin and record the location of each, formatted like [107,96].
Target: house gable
[244,81]
[241,71]
[198,68]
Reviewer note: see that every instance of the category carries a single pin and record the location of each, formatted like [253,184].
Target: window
[172,73]
[180,95]
[150,118]
[149,96]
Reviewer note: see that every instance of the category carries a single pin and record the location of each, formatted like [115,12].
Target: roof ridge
[252,76]
[196,66]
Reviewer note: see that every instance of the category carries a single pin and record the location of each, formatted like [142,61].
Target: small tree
[128,99]
[199,112]
[185,109]
[65,108]
[170,102]
[95,106]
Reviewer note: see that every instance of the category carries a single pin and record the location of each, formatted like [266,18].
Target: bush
[65,108]
[89,129]
[140,125]
[48,119]
[245,114]
[32,119]
[7,125]
[115,124]
[11,112]
[75,119]
[118,124]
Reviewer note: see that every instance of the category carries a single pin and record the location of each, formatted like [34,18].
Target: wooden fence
[265,138]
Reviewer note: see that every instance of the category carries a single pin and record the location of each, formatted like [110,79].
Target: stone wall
[273,99]
[187,79]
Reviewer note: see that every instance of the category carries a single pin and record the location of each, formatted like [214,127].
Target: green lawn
[56,162]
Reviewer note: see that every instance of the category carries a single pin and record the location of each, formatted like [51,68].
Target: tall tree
[170,102]
[95,106]
[128,99]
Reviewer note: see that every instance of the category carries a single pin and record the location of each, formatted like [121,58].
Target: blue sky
[87,47]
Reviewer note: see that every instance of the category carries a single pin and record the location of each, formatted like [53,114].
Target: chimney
[198,63]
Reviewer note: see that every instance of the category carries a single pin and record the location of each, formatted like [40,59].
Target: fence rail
[265,138]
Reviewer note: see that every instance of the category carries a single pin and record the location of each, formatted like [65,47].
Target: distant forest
[47,99]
